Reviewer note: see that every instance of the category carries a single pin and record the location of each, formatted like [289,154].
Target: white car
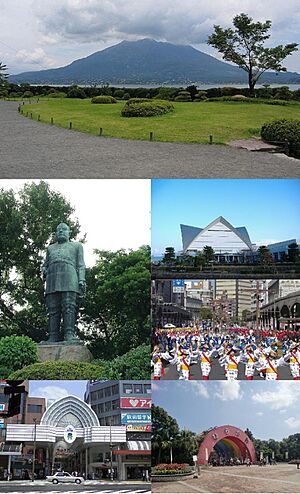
[64,477]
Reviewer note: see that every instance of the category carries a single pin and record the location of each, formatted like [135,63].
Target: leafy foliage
[103,100]
[27,223]
[76,92]
[132,365]
[16,352]
[244,46]
[183,96]
[60,370]
[281,130]
[117,304]
[145,108]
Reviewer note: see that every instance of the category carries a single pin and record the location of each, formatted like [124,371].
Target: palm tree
[3,74]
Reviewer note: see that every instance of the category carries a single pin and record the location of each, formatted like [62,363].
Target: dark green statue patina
[64,272]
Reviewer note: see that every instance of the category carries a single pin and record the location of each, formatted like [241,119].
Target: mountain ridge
[148,61]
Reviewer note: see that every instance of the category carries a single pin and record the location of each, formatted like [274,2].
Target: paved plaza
[31,150]
[281,478]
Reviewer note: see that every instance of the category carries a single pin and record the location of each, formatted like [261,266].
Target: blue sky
[268,409]
[268,208]
[57,389]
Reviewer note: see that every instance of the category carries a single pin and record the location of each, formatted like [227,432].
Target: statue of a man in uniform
[64,272]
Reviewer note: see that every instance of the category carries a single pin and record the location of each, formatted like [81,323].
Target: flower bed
[171,472]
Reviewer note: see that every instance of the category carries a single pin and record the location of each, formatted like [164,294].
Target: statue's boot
[69,327]
[54,324]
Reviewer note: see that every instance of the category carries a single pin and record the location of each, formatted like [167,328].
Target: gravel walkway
[29,149]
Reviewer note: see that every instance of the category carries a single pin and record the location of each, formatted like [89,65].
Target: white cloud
[284,394]
[229,390]
[259,414]
[199,389]
[293,423]
[51,392]
[35,57]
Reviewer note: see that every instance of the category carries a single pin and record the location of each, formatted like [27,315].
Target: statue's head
[62,233]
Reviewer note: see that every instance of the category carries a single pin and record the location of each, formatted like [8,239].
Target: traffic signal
[14,402]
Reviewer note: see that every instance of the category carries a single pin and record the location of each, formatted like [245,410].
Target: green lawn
[190,122]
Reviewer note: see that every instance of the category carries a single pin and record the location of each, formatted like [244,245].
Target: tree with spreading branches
[245,46]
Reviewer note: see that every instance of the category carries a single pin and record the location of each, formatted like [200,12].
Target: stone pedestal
[63,351]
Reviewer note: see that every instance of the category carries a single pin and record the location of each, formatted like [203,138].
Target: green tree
[205,313]
[264,256]
[169,256]
[16,352]
[185,446]
[208,253]
[3,73]
[116,310]
[27,222]
[293,252]
[164,427]
[244,46]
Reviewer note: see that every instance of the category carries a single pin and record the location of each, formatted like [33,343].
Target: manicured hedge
[103,100]
[60,370]
[281,130]
[132,365]
[239,98]
[146,108]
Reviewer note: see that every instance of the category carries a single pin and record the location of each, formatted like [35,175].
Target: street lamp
[111,451]
[34,449]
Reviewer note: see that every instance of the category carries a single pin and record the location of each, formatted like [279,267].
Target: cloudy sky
[262,206]
[268,409]
[38,34]
[114,214]
[54,390]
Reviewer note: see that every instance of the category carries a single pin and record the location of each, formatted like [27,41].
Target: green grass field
[190,122]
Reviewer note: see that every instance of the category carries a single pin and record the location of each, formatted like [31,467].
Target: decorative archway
[226,439]
[70,410]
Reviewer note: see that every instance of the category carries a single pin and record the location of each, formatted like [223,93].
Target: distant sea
[293,87]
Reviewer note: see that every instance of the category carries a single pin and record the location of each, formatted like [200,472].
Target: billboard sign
[138,428]
[135,418]
[2,424]
[178,286]
[135,402]
[2,407]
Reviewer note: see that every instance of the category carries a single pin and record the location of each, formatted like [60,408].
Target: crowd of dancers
[260,352]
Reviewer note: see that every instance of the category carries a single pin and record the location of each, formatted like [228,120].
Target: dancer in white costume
[250,362]
[294,356]
[232,361]
[269,364]
[157,362]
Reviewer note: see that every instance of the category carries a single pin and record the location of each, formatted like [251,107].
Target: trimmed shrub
[16,352]
[103,100]
[132,365]
[283,92]
[183,96]
[281,130]
[119,93]
[76,92]
[60,370]
[27,94]
[172,468]
[146,108]
[244,99]
[126,96]
[57,95]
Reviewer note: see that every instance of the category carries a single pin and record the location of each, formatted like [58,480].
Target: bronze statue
[64,272]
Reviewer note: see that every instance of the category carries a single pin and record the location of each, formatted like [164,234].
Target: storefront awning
[135,448]
[139,445]
[11,449]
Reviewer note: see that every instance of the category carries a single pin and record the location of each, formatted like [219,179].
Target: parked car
[64,477]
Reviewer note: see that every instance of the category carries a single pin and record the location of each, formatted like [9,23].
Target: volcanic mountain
[148,62]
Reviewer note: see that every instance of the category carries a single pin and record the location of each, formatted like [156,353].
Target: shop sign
[135,418]
[70,434]
[138,428]
[135,402]
[2,407]
[2,425]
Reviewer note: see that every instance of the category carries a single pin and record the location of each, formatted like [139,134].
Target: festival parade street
[232,354]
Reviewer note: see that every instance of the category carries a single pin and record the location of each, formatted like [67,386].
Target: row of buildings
[230,244]
[105,435]
[274,303]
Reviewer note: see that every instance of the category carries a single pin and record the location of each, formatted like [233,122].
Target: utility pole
[111,452]
[34,450]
